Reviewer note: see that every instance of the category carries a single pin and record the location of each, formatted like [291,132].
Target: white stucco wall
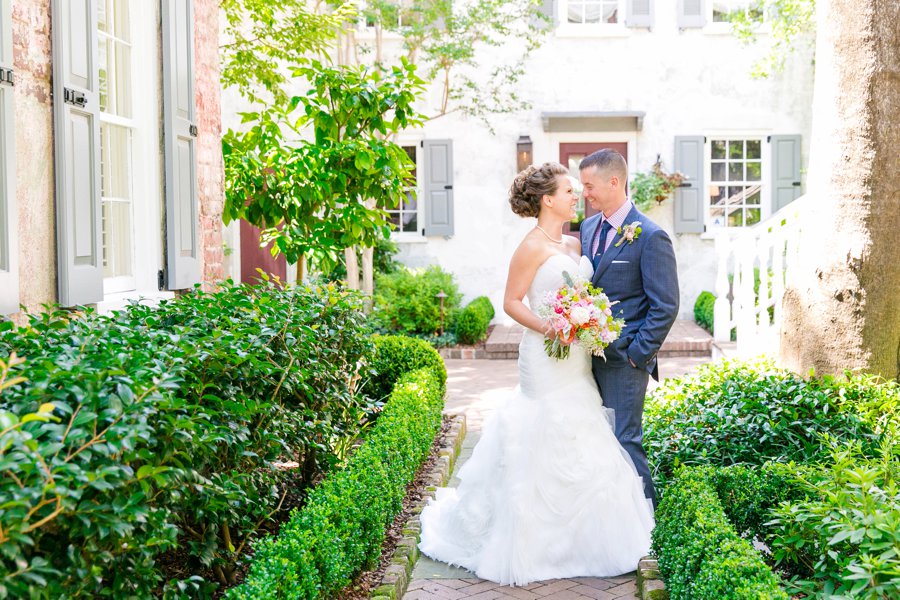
[692,82]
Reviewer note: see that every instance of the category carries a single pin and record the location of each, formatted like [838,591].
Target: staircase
[767,251]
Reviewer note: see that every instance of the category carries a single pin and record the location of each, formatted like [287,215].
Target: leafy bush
[734,412]
[405,302]
[165,423]
[396,355]
[704,310]
[700,554]
[341,529]
[382,261]
[843,540]
[472,322]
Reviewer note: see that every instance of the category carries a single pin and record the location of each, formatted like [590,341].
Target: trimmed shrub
[396,355]
[341,529]
[472,322]
[405,302]
[165,422]
[704,312]
[700,554]
[734,412]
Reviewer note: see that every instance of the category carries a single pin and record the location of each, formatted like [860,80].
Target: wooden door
[253,257]
[570,155]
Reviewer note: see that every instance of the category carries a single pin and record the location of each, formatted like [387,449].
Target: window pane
[735,171]
[736,218]
[611,12]
[718,216]
[715,194]
[754,171]
[116,239]
[753,195]
[753,149]
[718,148]
[753,216]
[717,172]
[736,149]
[115,161]
[115,84]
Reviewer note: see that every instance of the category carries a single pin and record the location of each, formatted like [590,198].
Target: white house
[648,77]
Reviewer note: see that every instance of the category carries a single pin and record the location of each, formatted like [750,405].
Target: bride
[548,492]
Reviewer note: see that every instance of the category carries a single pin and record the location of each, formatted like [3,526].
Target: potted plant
[654,185]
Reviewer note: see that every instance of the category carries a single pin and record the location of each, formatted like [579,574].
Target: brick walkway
[475,387]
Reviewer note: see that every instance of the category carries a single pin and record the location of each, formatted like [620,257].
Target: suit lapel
[613,251]
[592,230]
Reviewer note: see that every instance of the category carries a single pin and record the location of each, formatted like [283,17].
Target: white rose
[580,315]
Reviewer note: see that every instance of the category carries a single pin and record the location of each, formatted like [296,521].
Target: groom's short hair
[606,161]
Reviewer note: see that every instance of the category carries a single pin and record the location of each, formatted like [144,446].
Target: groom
[638,270]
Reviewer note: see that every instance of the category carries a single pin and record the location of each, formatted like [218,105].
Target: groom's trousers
[623,389]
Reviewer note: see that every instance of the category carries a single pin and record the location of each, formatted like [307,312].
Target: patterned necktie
[601,243]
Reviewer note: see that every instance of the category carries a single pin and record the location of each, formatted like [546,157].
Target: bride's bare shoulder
[530,252]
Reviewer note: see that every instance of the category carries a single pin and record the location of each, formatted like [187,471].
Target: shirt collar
[617,219]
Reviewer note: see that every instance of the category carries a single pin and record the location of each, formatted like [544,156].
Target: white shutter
[689,211]
[179,131]
[691,13]
[639,13]
[785,170]
[9,264]
[76,105]
[438,187]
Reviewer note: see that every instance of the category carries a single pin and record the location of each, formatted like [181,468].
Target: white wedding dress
[548,491]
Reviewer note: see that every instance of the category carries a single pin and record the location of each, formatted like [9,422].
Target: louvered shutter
[9,266]
[691,13]
[76,106]
[179,134]
[639,13]
[689,197]
[785,170]
[438,187]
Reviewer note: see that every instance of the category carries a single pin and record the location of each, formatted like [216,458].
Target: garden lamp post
[440,296]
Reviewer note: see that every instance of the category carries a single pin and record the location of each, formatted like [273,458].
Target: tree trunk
[368,282]
[842,311]
[352,268]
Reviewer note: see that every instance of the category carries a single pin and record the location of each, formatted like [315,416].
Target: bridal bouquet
[579,313]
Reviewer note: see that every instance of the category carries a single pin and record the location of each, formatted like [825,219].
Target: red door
[570,155]
[253,257]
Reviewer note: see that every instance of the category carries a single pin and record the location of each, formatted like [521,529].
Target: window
[723,11]
[405,218]
[390,15]
[735,181]
[116,125]
[585,12]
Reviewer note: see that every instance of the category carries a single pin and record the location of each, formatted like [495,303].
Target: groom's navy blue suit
[642,276]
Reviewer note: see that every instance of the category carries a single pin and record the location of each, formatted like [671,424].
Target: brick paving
[476,387]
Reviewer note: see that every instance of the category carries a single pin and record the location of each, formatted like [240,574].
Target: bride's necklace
[541,229]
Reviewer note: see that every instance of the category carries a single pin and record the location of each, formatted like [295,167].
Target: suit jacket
[642,276]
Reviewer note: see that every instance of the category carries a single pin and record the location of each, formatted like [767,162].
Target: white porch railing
[769,248]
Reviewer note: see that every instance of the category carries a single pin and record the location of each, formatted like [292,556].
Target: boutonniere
[629,233]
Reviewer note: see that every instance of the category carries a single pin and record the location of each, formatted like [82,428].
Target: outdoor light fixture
[523,152]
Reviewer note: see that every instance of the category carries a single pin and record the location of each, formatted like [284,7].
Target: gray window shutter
[548,7]
[76,106]
[691,13]
[639,13]
[9,246]
[179,131]
[785,170]
[689,197]
[438,187]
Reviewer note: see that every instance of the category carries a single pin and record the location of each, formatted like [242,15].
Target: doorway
[570,155]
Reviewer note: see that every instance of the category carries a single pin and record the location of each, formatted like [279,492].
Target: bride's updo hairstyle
[531,185]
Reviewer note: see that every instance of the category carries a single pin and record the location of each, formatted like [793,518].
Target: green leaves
[406,301]
[315,198]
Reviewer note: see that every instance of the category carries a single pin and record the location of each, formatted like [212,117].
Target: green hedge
[472,322]
[164,427]
[340,530]
[701,556]
[406,302]
[704,312]
[396,355]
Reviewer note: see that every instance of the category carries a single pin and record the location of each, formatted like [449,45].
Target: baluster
[722,307]
[778,251]
[764,245]
[746,333]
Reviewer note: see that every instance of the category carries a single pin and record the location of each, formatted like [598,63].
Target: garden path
[475,387]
